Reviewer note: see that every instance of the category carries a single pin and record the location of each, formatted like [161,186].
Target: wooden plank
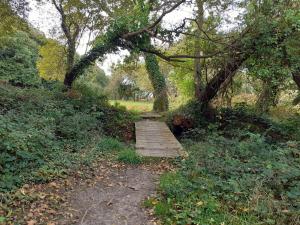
[154,138]
[150,115]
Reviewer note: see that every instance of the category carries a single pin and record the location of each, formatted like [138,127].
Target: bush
[18,56]
[44,133]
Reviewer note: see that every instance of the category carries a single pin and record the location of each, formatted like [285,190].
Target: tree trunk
[296,78]
[268,97]
[161,102]
[107,46]
[71,55]
[197,53]
[214,85]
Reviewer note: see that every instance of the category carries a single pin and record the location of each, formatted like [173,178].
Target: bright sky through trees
[47,20]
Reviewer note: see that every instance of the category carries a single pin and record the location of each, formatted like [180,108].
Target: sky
[45,18]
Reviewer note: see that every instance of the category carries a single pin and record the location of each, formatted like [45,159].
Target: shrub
[44,133]
[18,56]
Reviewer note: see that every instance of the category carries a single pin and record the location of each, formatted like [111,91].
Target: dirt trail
[106,193]
[117,200]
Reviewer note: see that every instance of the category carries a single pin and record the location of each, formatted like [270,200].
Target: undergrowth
[44,133]
[242,169]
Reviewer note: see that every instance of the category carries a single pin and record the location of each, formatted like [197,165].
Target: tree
[130,32]
[265,34]
[92,83]
[125,31]
[161,102]
[13,14]
[73,22]
[158,81]
[274,64]
[52,61]
[79,16]
[197,61]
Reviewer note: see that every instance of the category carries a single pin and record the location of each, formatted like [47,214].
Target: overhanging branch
[155,23]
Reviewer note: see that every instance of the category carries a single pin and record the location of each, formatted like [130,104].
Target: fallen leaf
[245,209]
[31,222]
[200,203]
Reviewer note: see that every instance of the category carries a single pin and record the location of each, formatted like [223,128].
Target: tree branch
[153,25]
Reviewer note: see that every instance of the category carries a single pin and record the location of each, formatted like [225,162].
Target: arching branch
[155,23]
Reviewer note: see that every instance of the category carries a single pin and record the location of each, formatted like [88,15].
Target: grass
[129,156]
[133,106]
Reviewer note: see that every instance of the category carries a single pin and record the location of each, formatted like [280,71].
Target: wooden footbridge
[154,138]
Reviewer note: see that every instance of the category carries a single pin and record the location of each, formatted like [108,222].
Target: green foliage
[290,127]
[173,184]
[244,180]
[44,133]
[275,56]
[18,56]
[109,145]
[246,119]
[161,102]
[120,123]
[10,12]
[52,63]
[92,83]
[129,156]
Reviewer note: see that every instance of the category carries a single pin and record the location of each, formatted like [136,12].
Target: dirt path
[106,193]
[117,201]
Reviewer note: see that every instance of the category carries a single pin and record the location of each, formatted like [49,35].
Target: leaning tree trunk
[224,91]
[214,85]
[107,45]
[240,54]
[161,102]
[296,78]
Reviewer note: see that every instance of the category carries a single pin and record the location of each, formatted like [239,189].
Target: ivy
[159,84]
[113,39]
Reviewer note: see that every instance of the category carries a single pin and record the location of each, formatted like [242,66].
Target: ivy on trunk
[161,102]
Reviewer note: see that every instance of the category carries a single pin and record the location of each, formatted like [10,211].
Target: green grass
[129,156]
[133,106]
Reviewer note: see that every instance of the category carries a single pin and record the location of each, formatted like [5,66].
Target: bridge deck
[154,139]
